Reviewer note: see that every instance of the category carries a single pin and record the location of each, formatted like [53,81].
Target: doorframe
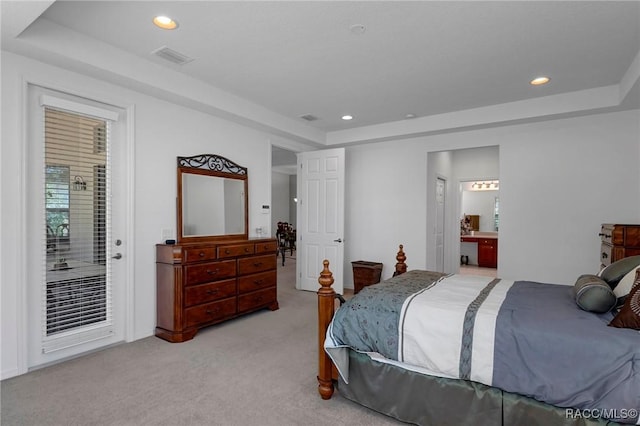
[445,211]
[22,324]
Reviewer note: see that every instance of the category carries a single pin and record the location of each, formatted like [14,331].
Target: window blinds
[76,290]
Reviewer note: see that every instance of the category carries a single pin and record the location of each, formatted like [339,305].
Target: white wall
[162,132]
[559,180]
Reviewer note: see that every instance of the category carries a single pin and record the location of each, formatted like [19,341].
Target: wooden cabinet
[618,242]
[365,274]
[200,284]
[487,250]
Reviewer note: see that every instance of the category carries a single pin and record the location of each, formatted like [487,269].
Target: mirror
[212,199]
[480,201]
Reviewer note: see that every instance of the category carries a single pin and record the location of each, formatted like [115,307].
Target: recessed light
[539,81]
[165,23]
[347,117]
[410,116]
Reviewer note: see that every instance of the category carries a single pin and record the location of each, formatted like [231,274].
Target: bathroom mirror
[479,199]
[212,199]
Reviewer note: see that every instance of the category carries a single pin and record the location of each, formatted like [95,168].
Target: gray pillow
[613,273]
[593,294]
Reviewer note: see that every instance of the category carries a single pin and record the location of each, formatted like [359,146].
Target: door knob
[117,256]
[339,240]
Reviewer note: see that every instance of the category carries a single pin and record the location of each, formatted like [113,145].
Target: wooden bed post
[326,303]
[401,267]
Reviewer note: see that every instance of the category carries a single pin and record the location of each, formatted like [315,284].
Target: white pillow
[624,286]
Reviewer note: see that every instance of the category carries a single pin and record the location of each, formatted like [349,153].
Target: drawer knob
[212,291]
[246,249]
[257,264]
[210,272]
[211,312]
[201,254]
[258,282]
[227,251]
[605,255]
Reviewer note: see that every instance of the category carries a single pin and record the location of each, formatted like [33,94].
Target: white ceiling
[453,64]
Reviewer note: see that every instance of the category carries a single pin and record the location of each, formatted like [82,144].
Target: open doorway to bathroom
[457,167]
[479,223]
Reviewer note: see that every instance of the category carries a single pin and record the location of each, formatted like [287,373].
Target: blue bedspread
[545,347]
[549,349]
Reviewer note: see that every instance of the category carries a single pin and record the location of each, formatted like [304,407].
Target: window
[77,290]
[57,205]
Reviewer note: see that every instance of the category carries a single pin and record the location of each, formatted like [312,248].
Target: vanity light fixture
[347,117]
[165,22]
[539,81]
[485,186]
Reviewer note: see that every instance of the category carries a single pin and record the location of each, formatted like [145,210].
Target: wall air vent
[172,56]
[309,117]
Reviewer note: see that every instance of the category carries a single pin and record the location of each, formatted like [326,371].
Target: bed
[429,348]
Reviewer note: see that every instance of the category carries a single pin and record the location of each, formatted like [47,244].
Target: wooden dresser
[618,242]
[200,284]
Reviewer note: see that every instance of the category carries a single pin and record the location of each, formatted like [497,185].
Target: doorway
[479,223]
[454,166]
[283,186]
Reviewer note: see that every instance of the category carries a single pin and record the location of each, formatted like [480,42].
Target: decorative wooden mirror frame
[215,167]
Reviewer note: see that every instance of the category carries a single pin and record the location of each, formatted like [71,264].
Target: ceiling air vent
[309,117]
[172,56]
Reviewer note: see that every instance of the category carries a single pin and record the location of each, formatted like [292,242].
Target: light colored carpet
[255,370]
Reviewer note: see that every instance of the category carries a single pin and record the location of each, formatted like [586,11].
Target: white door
[320,214]
[76,246]
[440,199]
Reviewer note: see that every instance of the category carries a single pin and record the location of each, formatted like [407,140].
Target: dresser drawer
[256,264]
[199,254]
[256,299]
[632,236]
[235,250]
[209,312]
[207,272]
[621,235]
[257,281]
[270,247]
[196,294]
